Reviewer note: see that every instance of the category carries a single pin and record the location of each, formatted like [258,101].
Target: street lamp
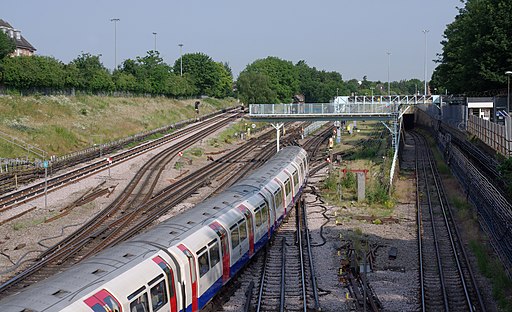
[115,20]
[425,88]
[181,59]
[154,34]
[508,73]
[389,63]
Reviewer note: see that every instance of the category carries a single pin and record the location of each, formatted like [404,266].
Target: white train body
[183,262]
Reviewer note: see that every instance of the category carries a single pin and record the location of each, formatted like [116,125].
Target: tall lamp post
[115,20]
[181,59]
[425,67]
[389,63]
[154,34]
[508,73]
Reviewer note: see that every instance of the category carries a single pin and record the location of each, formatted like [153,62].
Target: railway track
[13,199]
[287,281]
[119,222]
[446,280]
[286,285]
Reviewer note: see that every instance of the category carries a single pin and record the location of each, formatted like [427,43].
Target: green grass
[233,133]
[62,124]
[493,270]
[194,151]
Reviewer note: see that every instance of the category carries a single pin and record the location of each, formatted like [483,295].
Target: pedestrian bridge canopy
[342,108]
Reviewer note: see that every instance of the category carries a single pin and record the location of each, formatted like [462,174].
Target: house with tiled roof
[23,47]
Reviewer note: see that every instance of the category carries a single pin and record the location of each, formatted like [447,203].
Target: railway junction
[392,272]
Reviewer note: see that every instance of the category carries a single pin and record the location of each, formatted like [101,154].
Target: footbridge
[387,109]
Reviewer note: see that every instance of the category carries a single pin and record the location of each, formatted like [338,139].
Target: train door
[222,233]
[103,301]
[156,290]
[193,275]
[272,215]
[250,226]
[280,199]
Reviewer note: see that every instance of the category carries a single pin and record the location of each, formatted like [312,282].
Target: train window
[158,295]
[278,198]
[204,265]
[243,231]
[214,254]
[140,304]
[258,218]
[295,179]
[264,213]
[234,236]
[287,187]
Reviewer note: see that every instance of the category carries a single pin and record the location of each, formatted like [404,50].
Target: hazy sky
[347,36]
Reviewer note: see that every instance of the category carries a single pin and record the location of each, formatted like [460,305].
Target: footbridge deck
[343,108]
[387,109]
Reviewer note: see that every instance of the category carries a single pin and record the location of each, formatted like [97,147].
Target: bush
[349,180]
[378,194]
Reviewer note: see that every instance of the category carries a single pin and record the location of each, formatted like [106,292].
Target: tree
[282,77]
[477,49]
[210,78]
[27,72]
[254,87]
[88,73]
[7,45]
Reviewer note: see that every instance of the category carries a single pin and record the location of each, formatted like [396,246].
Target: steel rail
[419,223]
[446,215]
[283,278]
[310,255]
[16,198]
[262,281]
[434,232]
[302,265]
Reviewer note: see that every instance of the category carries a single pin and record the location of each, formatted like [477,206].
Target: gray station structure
[390,110]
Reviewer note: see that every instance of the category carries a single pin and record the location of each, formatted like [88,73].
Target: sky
[351,37]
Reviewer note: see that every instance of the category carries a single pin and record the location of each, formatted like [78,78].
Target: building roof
[21,43]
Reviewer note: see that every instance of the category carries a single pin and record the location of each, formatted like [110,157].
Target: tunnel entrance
[408,121]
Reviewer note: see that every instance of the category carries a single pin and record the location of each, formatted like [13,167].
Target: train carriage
[184,261]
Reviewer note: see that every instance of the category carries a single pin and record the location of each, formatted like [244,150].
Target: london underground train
[183,262]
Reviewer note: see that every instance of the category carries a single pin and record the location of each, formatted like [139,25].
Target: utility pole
[389,64]
[115,20]
[425,67]
[181,59]
[154,34]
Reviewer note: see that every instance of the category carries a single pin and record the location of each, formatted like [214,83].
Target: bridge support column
[395,128]
[278,126]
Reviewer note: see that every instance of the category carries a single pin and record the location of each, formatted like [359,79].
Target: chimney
[18,34]
[11,33]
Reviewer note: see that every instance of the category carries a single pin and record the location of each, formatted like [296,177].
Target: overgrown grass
[492,269]
[233,133]
[61,124]
[194,151]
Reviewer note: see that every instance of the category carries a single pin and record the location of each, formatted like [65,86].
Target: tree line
[269,80]
[477,49]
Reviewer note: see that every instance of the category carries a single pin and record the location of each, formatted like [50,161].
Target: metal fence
[497,136]
[321,109]
[494,210]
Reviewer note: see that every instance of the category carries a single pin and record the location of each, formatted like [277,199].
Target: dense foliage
[7,45]
[269,80]
[477,49]
[272,80]
[144,75]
